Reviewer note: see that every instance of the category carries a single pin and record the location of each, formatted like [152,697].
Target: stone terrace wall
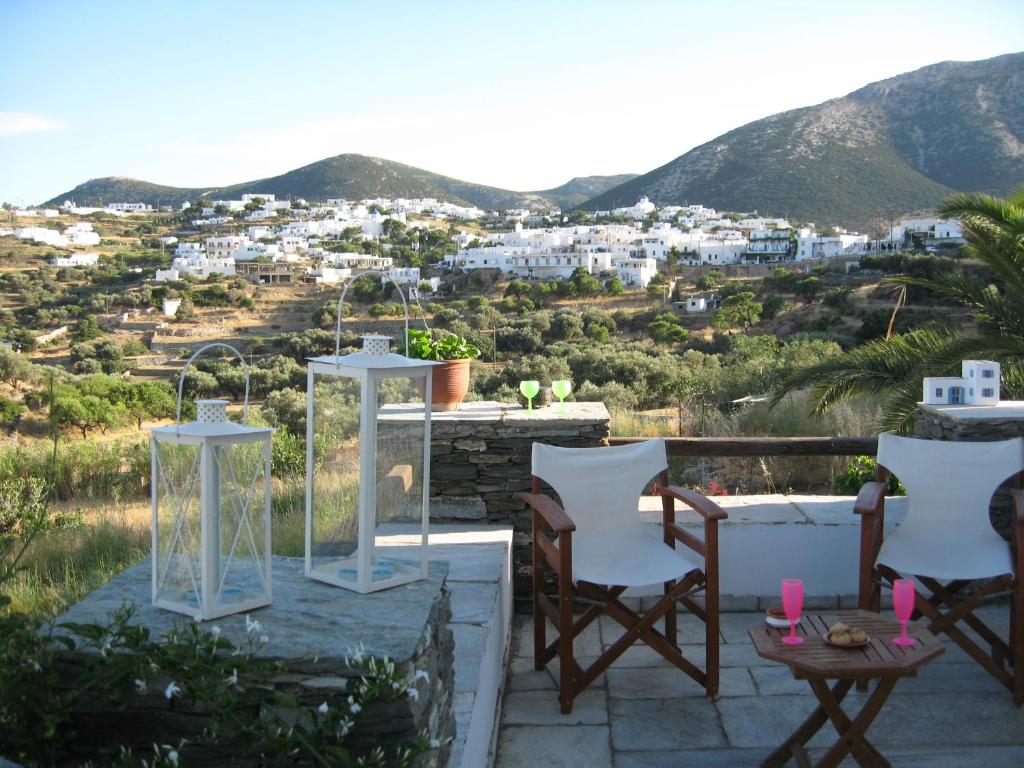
[311,626]
[481,463]
[480,455]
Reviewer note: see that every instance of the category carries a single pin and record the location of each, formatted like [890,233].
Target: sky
[519,95]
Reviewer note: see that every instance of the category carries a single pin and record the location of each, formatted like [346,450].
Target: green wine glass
[529,390]
[561,389]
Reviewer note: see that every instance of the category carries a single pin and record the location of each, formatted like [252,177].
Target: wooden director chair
[601,547]
[947,542]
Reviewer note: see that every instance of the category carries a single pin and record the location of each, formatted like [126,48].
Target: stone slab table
[311,628]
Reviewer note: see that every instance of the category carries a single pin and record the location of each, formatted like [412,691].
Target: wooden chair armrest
[869,500]
[549,509]
[704,506]
[1018,506]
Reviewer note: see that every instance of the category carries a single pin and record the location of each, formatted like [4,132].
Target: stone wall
[976,424]
[311,628]
[481,456]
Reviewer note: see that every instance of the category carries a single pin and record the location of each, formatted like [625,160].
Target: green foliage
[14,368]
[425,346]
[894,367]
[738,310]
[186,311]
[613,287]
[87,329]
[10,411]
[773,304]
[711,280]
[286,408]
[861,470]
[668,329]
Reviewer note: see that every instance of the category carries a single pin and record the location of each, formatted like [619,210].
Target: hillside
[895,146]
[582,188]
[351,176]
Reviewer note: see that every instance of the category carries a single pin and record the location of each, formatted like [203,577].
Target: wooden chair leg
[671,623]
[566,662]
[1017,639]
[539,620]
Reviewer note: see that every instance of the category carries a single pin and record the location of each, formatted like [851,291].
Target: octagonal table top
[817,659]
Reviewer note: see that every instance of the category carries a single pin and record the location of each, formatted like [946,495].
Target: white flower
[172,757]
[233,680]
[105,649]
[215,630]
[421,674]
[354,708]
[140,685]
[172,690]
[264,639]
[435,743]
[323,708]
[413,693]
[251,625]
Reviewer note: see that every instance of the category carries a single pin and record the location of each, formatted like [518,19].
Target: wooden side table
[817,662]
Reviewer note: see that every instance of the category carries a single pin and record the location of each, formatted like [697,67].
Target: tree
[613,287]
[585,283]
[86,412]
[739,309]
[286,408]
[894,366]
[566,324]
[186,310]
[809,288]
[666,329]
[150,400]
[710,281]
[377,311]
[14,368]
[773,304]
[87,329]
[10,411]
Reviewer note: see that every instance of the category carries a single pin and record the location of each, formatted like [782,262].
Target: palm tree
[894,366]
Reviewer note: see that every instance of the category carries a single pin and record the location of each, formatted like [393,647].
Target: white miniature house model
[367,466]
[978,385]
[211,510]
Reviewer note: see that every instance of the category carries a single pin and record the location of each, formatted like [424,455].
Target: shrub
[859,471]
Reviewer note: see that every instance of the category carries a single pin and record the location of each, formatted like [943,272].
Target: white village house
[978,384]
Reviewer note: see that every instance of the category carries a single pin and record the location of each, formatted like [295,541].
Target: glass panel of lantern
[211,511]
[367,467]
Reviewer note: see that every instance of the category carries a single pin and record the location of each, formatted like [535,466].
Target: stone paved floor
[643,713]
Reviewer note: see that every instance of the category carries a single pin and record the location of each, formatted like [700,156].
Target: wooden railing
[763,446]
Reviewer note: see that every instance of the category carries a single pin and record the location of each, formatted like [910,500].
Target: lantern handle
[341,300]
[201,350]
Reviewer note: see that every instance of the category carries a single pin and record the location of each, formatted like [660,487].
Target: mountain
[896,146]
[582,188]
[354,177]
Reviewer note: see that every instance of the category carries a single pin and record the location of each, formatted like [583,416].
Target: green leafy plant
[859,471]
[424,345]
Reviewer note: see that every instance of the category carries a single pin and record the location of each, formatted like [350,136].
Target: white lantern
[367,466]
[211,510]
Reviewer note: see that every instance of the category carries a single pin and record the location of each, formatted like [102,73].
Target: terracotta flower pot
[450,385]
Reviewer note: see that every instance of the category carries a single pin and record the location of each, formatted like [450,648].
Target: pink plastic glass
[792,603]
[903,606]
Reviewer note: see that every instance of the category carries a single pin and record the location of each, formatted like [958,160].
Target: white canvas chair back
[947,533]
[600,490]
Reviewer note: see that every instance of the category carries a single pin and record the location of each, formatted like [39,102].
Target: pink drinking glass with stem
[792,603]
[903,607]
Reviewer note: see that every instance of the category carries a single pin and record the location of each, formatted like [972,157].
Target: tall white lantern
[367,467]
[211,510]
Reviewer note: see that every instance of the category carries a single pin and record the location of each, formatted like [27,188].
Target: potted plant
[451,380]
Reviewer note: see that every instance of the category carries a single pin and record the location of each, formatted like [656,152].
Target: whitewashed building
[978,384]
[637,272]
[76,260]
[222,247]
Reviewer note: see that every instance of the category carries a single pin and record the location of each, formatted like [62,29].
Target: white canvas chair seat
[636,559]
[947,551]
[602,547]
[947,542]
